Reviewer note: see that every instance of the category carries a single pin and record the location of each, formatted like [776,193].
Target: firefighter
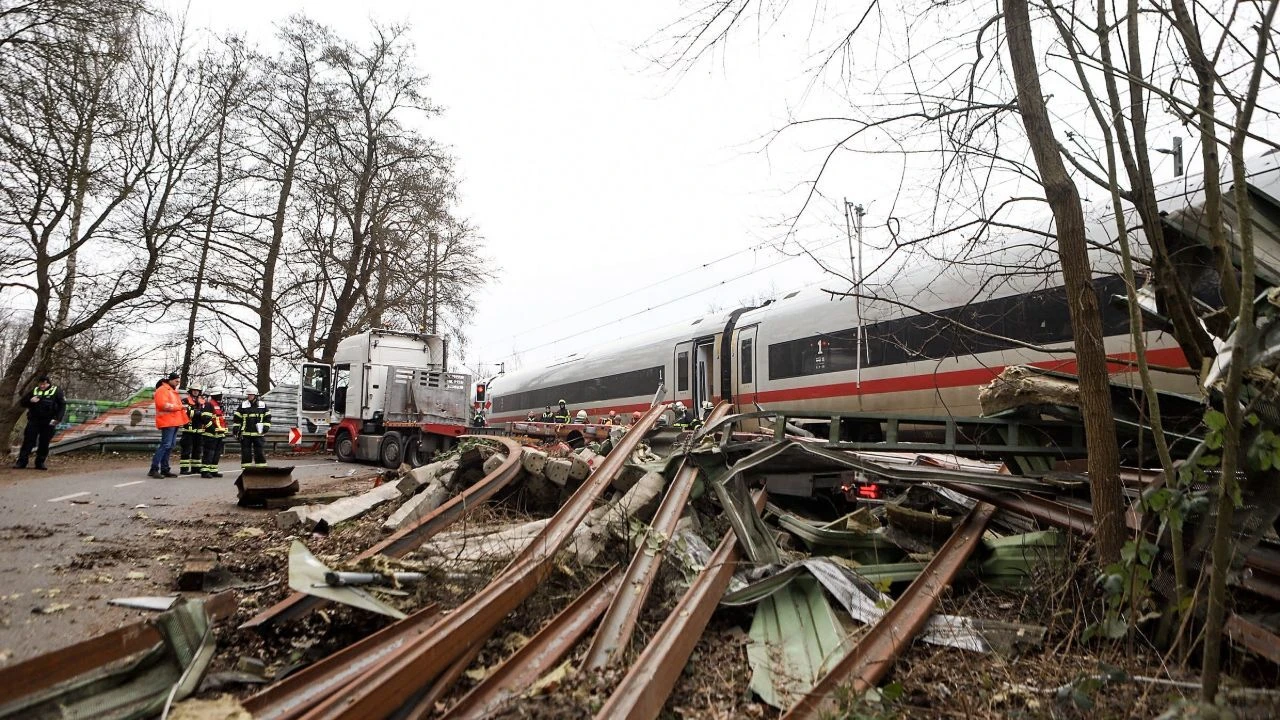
[581,418]
[45,405]
[533,415]
[251,421]
[562,413]
[192,442]
[215,432]
[707,407]
[684,419]
[478,420]
[611,419]
[635,418]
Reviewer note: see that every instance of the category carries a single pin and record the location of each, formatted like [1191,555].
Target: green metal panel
[795,640]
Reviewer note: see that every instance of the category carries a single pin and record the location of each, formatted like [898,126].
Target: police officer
[45,405]
[562,415]
[547,415]
[192,442]
[251,421]
[215,433]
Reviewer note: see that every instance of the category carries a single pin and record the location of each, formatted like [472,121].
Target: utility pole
[1176,152]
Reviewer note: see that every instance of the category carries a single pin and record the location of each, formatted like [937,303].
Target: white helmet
[706,405]
[214,392]
[581,416]
[679,406]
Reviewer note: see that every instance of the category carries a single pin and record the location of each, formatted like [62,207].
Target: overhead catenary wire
[686,296]
[595,307]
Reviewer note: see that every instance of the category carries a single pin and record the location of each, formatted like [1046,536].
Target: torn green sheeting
[125,687]
[1012,560]
[795,640]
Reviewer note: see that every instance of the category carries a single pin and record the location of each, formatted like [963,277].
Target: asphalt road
[92,529]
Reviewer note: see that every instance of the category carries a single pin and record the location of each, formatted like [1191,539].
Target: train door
[704,376]
[745,357]
[683,366]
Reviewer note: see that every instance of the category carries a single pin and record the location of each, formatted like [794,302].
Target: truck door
[745,370]
[315,395]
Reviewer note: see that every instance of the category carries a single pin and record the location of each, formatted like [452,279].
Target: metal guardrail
[106,440]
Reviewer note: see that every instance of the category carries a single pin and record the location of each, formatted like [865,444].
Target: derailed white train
[923,344]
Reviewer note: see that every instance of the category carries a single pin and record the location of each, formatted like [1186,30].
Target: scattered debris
[307,575]
[194,569]
[153,602]
[128,673]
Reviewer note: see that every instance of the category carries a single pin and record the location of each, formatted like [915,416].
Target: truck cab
[388,397]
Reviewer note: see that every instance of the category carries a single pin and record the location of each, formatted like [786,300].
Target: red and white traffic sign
[295,436]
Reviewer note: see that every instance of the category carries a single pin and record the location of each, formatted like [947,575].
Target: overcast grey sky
[590,170]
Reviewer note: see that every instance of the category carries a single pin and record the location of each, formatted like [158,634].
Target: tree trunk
[1231,450]
[1086,322]
[188,350]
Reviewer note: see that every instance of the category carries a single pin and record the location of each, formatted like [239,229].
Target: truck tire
[391,450]
[344,446]
[417,452]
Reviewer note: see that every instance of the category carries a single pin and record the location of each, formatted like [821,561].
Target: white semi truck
[388,398]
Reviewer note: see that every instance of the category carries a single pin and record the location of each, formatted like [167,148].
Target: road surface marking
[68,497]
[135,482]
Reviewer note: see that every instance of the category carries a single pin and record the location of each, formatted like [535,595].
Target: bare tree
[96,147]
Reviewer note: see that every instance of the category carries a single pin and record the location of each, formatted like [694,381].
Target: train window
[682,372]
[744,352]
[1040,317]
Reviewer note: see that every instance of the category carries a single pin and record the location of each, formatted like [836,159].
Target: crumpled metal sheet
[796,639]
[134,686]
[306,575]
[861,600]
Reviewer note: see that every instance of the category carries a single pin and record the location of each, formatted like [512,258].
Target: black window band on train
[627,384]
[1038,318]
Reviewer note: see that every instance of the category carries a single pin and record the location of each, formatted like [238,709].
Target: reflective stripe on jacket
[249,415]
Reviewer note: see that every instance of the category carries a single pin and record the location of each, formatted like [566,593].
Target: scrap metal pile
[729,520]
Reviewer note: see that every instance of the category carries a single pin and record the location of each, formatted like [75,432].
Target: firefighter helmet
[195,387]
[581,417]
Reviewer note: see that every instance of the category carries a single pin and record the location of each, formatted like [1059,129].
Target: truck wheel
[344,447]
[391,451]
[416,452]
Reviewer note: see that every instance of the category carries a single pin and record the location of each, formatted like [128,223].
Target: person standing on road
[213,427]
[252,420]
[170,416]
[215,433]
[45,406]
[192,442]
